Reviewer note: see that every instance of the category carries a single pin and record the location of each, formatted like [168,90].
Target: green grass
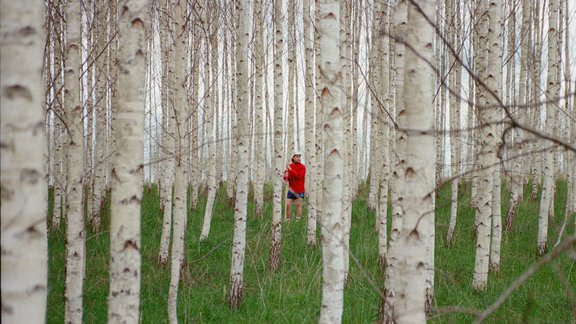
[293,293]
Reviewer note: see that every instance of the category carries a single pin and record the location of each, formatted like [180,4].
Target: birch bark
[309,117]
[552,93]
[75,233]
[399,21]
[99,175]
[127,173]
[209,102]
[167,171]
[260,68]
[418,219]
[179,14]
[242,138]
[24,185]
[494,82]
[516,182]
[455,101]
[331,221]
[489,34]
[274,256]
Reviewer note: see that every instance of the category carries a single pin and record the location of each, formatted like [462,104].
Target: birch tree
[167,169]
[418,217]
[180,16]
[331,221]
[127,174]
[309,113]
[22,142]
[100,105]
[455,80]
[494,82]
[488,16]
[210,66]
[274,256]
[242,138]
[75,232]
[552,93]
[260,69]
[59,132]
[399,18]
[516,181]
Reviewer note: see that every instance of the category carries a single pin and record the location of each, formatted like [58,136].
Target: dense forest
[430,131]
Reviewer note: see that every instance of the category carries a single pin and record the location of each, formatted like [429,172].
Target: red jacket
[296,176]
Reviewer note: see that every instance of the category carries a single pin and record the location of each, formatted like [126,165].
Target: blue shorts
[293,196]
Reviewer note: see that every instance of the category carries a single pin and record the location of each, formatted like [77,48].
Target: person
[295,176]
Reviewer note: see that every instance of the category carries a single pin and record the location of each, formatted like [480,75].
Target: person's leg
[298,208]
[288,212]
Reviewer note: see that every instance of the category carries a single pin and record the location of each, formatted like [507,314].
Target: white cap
[296,153]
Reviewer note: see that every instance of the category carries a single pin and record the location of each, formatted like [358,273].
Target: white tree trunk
[309,113]
[516,175]
[496,242]
[489,33]
[242,140]
[346,67]
[333,191]
[167,170]
[399,19]
[59,170]
[495,40]
[274,256]
[418,218]
[455,101]
[22,143]
[552,93]
[127,174]
[99,174]
[59,167]
[75,232]
[210,108]
[259,107]
[179,12]
[380,142]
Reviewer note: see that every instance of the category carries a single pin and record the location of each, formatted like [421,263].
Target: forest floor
[292,294]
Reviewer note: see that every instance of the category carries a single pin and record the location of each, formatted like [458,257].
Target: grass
[293,293]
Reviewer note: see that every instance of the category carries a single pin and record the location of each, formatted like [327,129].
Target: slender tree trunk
[495,36]
[552,93]
[99,175]
[211,115]
[534,110]
[333,191]
[195,173]
[489,32]
[22,142]
[167,171]
[346,68]
[75,233]
[309,113]
[242,138]
[516,174]
[274,256]
[59,167]
[179,14]
[319,178]
[260,69]
[418,219]
[381,143]
[399,18]
[125,257]
[455,101]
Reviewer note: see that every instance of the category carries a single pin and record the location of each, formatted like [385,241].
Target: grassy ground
[293,293]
